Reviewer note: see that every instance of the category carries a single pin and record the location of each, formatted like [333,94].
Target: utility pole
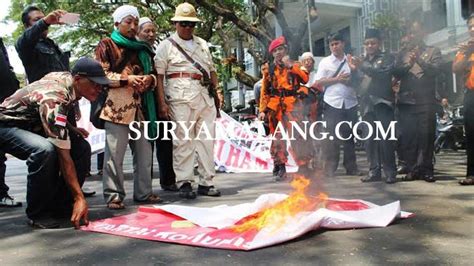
[240,59]
[308,16]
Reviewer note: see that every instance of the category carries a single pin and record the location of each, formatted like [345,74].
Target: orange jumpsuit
[281,101]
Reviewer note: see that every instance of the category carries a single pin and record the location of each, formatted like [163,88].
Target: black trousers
[469,130]
[81,156]
[3,168]
[381,153]
[333,116]
[164,155]
[418,126]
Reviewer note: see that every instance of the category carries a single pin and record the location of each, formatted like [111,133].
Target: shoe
[152,199]
[100,172]
[186,191]
[369,178]
[410,177]
[468,181]
[355,172]
[281,175]
[429,178]
[210,191]
[9,202]
[173,188]
[88,194]
[115,204]
[402,170]
[391,180]
[43,223]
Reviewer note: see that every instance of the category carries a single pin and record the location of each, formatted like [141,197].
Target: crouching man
[33,127]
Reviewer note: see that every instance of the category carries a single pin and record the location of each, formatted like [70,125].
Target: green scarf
[144,52]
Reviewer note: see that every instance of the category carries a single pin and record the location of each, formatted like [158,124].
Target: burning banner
[271,219]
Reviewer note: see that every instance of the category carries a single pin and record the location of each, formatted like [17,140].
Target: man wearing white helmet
[186,97]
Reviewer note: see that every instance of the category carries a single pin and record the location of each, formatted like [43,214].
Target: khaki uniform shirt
[170,60]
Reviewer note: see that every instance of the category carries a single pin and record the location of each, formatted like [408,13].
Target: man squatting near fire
[281,102]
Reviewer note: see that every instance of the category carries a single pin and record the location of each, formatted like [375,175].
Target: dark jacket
[417,83]
[379,70]
[39,55]
[8,81]
[377,81]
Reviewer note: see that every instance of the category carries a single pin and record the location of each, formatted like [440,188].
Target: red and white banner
[214,227]
[96,136]
[241,150]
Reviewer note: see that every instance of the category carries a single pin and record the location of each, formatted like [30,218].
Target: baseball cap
[91,69]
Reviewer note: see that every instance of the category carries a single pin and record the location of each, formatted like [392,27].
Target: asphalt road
[442,232]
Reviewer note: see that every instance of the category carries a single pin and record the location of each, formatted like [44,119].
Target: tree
[260,27]
[225,20]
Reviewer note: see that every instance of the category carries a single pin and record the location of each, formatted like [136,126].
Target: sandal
[115,205]
[152,199]
[467,182]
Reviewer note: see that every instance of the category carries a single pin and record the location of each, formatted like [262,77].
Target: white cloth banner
[241,150]
[215,227]
[96,136]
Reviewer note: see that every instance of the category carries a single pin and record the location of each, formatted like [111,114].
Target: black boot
[276,168]
[186,191]
[282,175]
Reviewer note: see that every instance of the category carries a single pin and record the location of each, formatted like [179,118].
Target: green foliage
[96,23]
[386,22]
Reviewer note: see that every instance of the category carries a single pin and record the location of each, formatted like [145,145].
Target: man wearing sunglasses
[185,97]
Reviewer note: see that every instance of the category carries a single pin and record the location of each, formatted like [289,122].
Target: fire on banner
[216,227]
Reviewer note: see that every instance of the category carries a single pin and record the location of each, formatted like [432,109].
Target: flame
[276,216]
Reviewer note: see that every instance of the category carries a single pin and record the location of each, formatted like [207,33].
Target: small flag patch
[61,120]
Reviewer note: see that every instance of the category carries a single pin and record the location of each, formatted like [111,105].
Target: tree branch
[230,15]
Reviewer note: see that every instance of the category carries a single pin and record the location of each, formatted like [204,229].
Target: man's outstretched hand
[80,212]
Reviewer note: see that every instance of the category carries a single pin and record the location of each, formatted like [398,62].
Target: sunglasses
[187,24]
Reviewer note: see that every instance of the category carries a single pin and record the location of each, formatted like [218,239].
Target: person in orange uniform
[281,102]
[464,65]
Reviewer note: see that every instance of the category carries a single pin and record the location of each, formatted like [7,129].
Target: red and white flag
[215,227]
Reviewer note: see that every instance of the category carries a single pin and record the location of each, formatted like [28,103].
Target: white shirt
[336,95]
[189,44]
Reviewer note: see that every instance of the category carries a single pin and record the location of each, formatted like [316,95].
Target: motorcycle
[450,131]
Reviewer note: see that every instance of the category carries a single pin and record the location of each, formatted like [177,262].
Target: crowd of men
[38,122]
[345,87]
[176,81]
